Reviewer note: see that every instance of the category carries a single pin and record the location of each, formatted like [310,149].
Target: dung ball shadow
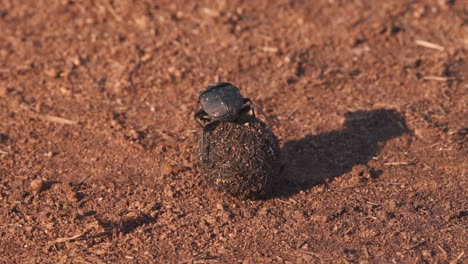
[316,158]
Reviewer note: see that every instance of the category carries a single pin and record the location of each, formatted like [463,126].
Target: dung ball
[239,158]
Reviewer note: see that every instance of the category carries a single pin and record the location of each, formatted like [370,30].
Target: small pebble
[37,186]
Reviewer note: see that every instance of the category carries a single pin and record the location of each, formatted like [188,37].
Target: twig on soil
[443,251]
[429,45]
[17,225]
[285,202]
[367,217]
[288,229]
[308,252]
[398,163]
[365,199]
[455,261]
[430,146]
[270,49]
[57,130]
[438,78]
[65,239]
[112,11]
[293,201]
[417,244]
[82,180]
[376,204]
[80,259]
[292,112]
[208,260]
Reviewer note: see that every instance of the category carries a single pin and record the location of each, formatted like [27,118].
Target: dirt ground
[368,101]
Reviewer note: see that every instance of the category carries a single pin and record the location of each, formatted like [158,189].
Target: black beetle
[222,102]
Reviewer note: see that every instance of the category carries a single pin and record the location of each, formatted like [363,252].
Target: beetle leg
[204,150]
[249,107]
[201,115]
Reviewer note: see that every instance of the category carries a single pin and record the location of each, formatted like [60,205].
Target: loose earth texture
[368,100]
[239,158]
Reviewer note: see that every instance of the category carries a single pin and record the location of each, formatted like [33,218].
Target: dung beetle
[222,102]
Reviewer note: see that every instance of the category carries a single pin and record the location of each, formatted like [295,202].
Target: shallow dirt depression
[240,158]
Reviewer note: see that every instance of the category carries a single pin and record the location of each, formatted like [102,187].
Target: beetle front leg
[248,107]
[201,115]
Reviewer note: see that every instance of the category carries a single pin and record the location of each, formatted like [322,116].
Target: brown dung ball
[239,158]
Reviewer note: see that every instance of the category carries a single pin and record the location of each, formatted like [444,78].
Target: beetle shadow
[316,159]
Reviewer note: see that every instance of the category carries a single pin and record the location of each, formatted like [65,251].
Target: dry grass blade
[437,78]
[429,45]
[66,239]
[443,251]
[49,118]
[455,261]
[308,252]
[56,119]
